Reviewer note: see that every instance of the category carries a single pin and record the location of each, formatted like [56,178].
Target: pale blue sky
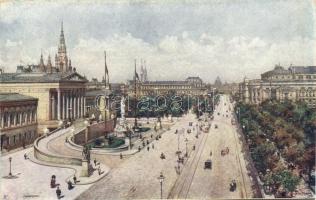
[227,38]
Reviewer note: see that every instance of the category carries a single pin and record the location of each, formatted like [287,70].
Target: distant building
[190,86]
[297,83]
[218,82]
[18,120]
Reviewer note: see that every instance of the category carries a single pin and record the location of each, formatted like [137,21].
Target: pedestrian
[75,179]
[211,153]
[58,192]
[139,148]
[148,148]
[152,145]
[147,142]
[144,144]
[121,156]
[25,156]
[70,186]
[151,136]
[95,162]
[99,170]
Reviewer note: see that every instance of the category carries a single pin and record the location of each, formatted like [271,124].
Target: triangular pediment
[74,77]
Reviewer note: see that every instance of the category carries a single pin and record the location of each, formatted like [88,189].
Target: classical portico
[60,96]
[66,103]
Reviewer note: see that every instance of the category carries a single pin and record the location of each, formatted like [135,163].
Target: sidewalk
[33,180]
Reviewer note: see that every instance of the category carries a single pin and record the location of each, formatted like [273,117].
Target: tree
[286,179]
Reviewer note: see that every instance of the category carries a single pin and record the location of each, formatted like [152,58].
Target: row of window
[300,77]
[19,138]
[165,87]
[17,118]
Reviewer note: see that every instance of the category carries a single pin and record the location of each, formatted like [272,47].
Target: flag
[106,67]
[106,75]
[136,74]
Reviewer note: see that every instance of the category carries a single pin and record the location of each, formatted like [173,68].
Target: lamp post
[10,160]
[161,179]
[213,99]
[186,147]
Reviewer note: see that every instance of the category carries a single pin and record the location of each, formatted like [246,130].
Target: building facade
[297,83]
[190,86]
[18,120]
[60,90]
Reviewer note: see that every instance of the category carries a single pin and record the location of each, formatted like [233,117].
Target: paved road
[137,176]
[200,183]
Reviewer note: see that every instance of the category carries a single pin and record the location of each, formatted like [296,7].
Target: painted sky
[230,39]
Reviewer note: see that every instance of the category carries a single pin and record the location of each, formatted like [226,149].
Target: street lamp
[10,160]
[161,179]
[186,147]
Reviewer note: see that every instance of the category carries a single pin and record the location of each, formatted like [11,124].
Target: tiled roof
[5,97]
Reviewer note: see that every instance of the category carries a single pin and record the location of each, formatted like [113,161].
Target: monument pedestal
[127,142]
[85,168]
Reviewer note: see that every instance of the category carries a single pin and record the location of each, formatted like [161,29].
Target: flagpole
[135,94]
[105,72]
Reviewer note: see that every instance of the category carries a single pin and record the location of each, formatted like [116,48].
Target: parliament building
[59,92]
[296,83]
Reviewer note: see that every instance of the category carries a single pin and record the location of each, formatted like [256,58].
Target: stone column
[84,106]
[67,106]
[2,120]
[63,106]
[71,105]
[14,119]
[9,119]
[58,104]
[53,106]
[20,118]
[75,107]
[78,107]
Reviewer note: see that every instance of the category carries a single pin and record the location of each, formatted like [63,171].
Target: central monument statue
[122,127]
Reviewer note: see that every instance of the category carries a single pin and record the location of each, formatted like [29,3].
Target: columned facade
[280,84]
[67,103]
[18,120]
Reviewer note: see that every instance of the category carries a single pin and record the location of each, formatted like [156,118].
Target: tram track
[182,186]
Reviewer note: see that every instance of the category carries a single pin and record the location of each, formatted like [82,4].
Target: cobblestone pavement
[32,180]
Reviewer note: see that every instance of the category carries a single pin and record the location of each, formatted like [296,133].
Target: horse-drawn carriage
[208,164]
[225,151]
[232,186]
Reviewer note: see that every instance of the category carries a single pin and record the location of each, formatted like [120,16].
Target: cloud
[225,38]
[178,57]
